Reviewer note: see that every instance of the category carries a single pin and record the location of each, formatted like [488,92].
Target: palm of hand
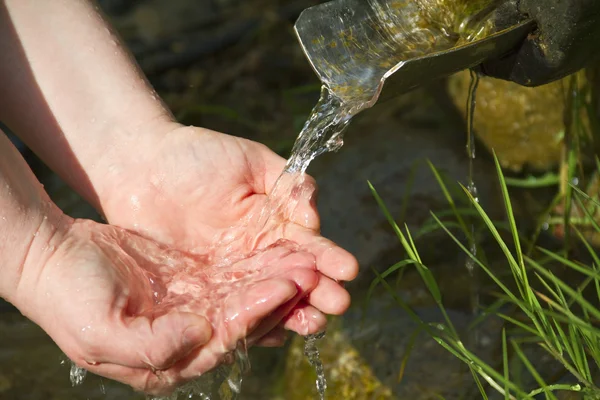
[143,314]
[199,187]
[203,187]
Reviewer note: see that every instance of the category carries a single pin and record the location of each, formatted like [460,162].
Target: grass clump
[557,316]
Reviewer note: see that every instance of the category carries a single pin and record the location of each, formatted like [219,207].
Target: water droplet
[135,202]
[77,375]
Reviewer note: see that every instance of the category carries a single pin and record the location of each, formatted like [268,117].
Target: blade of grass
[505,365]
[565,261]
[409,348]
[567,289]
[450,199]
[589,217]
[533,371]
[590,250]
[391,221]
[540,223]
[532,182]
[512,222]
[502,286]
[585,195]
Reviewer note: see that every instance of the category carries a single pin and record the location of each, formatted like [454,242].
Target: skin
[170,194]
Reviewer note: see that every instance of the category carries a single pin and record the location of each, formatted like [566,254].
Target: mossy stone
[524,126]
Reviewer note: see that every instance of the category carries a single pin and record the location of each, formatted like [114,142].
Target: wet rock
[524,126]
[349,376]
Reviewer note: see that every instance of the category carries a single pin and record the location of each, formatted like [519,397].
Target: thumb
[156,343]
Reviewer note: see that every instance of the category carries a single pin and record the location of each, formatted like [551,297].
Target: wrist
[131,152]
[27,250]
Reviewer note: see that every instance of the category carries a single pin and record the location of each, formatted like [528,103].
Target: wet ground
[235,67]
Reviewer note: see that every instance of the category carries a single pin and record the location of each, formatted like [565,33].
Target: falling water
[322,132]
[472,188]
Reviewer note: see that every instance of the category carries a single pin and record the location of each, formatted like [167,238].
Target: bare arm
[73,94]
[28,222]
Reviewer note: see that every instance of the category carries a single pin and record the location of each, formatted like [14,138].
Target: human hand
[138,312]
[194,187]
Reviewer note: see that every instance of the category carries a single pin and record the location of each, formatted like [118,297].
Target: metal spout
[370,50]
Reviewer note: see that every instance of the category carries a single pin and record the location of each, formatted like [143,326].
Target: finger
[332,260]
[274,260]
[305,319]
[276,338]
[305,282]
[329,297]
[242,313]
[145,342]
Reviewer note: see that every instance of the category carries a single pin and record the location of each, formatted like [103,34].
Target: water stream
[472,188]
[322,132]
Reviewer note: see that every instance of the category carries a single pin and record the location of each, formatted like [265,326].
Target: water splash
[224,382]
[77,375]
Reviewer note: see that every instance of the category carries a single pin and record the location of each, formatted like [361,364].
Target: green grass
[560,317]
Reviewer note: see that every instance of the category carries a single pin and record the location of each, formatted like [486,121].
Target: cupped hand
[196,188]
[127,308]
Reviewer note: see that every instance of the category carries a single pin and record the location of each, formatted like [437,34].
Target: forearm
[29,222]
[72,93]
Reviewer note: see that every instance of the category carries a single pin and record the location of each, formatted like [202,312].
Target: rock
[349,376]
[524,126]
